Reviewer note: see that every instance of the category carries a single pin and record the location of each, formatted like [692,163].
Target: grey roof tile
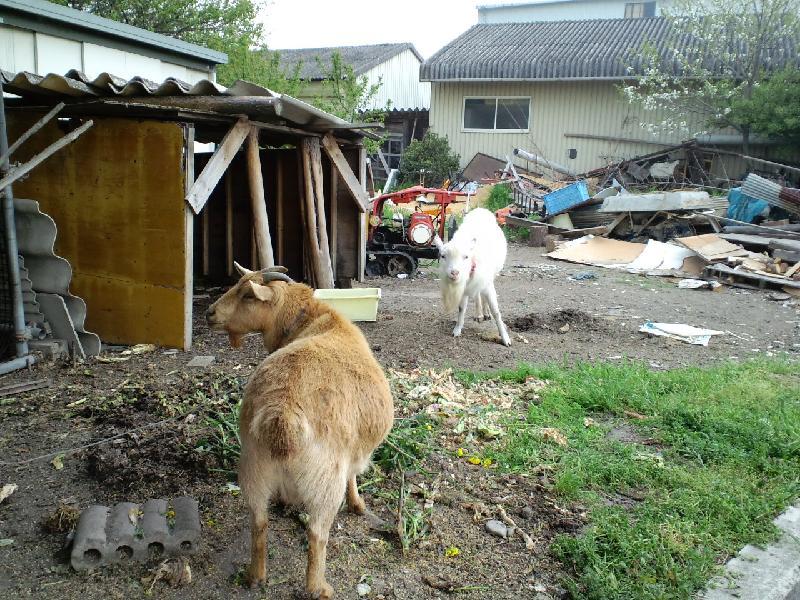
[587,49]
[361,58]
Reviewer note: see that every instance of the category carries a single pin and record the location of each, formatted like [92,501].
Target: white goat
[469,263]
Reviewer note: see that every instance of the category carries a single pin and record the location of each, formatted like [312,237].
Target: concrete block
[129,532]
[51,349]
[201,361]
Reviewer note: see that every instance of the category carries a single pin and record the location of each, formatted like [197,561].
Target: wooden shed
[142,213]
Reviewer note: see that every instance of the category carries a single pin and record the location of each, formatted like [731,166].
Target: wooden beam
[258,202]
[25,168]
[334,218]
[279,200]
[284,129]
[355,187]
[34,128]
[362,218]
[188,232]
[321,265]
[202,187]
[229,223]
[322,220]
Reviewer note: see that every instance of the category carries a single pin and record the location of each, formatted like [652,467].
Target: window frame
[466,129]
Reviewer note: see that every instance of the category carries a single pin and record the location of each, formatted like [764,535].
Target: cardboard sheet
[599,252]
[712,247]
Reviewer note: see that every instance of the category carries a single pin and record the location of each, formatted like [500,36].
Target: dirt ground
[168,404]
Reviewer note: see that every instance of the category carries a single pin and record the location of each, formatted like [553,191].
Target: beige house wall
[558,109]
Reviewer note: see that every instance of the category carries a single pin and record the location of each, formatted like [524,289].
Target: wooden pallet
[733,276]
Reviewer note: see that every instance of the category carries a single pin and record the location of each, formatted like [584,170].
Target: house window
[637,10]
[497,114]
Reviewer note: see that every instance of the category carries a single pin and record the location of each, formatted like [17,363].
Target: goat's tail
[278,430]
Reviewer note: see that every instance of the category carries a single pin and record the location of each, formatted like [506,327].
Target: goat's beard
[452,292]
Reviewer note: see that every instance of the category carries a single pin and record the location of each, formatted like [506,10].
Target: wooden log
[258,202]
[359,194]
[792,245]
[791,256]
[202,187]
[324,279]
[322,219]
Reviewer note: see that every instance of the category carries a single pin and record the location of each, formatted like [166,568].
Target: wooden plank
[28,166]
[188,232]
[205,234]
[310,217]
[128,244]
[279,200]
[791,256]
[356,187]
[36,127]
[258,202]
[792,270]
[363,215]
[202,187]
[761,279]
[711,246]
[229,223]
[334,194]
[24,386]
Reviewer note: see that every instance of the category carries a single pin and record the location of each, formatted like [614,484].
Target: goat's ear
[437,241]
[259,292]
[242,271]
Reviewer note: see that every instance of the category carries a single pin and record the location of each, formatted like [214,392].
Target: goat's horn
[275,269]
[273,276]
[242,271]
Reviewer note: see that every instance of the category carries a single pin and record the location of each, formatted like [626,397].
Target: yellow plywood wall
[117,197]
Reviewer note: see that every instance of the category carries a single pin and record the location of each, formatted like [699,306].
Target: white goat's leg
[491,297]
[462,312]
[485,305]
[479,314]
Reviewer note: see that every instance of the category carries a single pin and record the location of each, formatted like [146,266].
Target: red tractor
[396,241]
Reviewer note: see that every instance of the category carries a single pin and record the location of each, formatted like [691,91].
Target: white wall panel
[57,55]
[17,50]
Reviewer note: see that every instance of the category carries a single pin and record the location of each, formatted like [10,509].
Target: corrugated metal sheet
[556,108]
[563,50]
[400,84]
[361,58]
[245,98]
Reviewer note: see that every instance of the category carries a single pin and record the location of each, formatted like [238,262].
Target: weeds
[406,446]
[499,197]
[717,456]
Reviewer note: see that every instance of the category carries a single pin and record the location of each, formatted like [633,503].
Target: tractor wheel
[397,265]
[374,267]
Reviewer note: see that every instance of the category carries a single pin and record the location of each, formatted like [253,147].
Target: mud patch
[558,321]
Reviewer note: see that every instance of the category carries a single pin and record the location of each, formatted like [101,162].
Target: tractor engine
[420,230]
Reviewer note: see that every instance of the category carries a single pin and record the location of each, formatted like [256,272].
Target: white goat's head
[457,258]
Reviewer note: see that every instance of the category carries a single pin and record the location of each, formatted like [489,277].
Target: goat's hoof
[456,333]
[255,582]
[507,343]
[358,507]
[321,592]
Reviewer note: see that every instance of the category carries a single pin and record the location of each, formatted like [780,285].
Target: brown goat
[313,411]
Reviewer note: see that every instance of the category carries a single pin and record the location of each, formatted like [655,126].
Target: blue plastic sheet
[745,208]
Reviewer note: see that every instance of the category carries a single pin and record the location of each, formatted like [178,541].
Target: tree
[732,47]
[773,110]
[431,155]
[228,26]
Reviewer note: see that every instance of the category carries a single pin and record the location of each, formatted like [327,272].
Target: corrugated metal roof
[558,50]
[47,11]
[361,58]
[243,98]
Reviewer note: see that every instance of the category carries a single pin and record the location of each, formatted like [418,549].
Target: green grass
[723,461]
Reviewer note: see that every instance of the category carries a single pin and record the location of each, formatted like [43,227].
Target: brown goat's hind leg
[318,529]
[259,519]
[354,502]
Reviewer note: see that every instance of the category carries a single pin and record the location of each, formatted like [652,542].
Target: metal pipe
[20,331]
[539,160]
[17,364]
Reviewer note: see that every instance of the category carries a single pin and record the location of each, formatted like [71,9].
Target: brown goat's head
[248,305]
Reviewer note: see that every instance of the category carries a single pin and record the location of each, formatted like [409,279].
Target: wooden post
[258,202]
[229,223]
[334,218]
[322,220]
[188,233]
[279,200]
[315,228]
[205,234]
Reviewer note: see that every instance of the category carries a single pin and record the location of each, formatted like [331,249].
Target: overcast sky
[428,24]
